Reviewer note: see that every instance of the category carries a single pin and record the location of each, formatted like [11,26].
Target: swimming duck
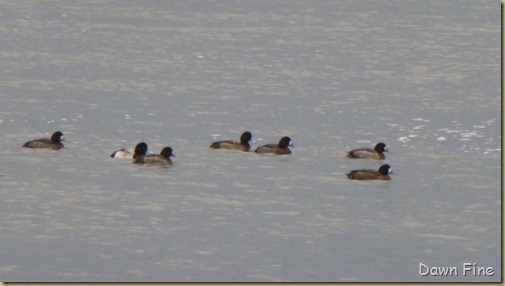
[54,143]
[370,174]
[367,153]
[243,145]
[279,149]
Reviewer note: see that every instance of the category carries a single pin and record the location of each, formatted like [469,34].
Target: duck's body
[370,174]
[366,153]
[122,153]
[282,148]
[243,145]
[54,143]
[162,159]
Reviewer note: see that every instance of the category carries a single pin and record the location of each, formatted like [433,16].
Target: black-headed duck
[54,143]
[279,149]
[367,153]
[243,145]
[370,174]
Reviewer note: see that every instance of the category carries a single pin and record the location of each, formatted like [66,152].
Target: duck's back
[153,159]
[268,148]
[230,145]
[364,153]
[122,153]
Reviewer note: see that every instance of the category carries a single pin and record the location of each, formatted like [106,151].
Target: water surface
[424,77]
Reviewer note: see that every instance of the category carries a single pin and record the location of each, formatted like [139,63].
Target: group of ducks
[369,174]
[141,155]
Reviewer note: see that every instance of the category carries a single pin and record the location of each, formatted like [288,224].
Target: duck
[376,153]
[243,145]
[162,159]
[370,174]
[54,143]
[279,149]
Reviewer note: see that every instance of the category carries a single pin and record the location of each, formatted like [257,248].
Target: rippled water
[424,77]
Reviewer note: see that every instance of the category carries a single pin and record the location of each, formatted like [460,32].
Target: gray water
[422,76]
